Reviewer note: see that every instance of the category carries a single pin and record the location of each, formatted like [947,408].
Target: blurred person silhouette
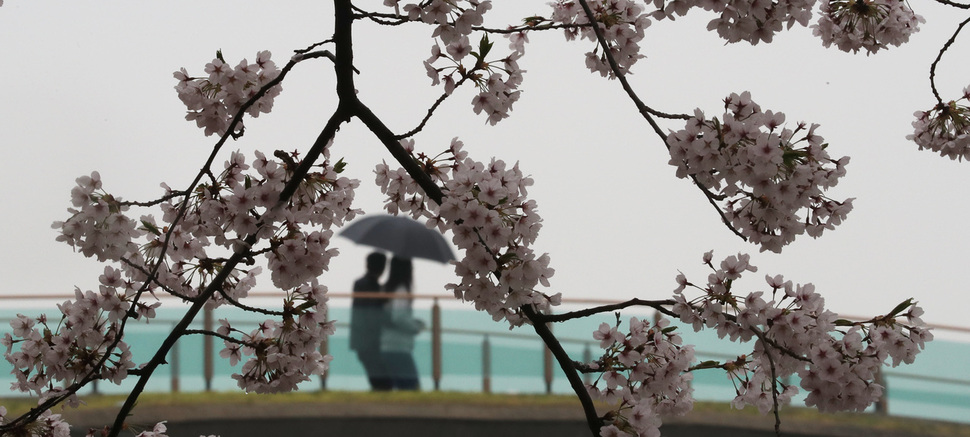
[366,321]
[400,328]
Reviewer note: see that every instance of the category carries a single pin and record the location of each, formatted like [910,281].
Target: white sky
[88,86]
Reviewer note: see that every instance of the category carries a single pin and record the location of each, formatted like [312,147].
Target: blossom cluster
[98,226]
[214,100]
[836,360]
[753,21]
[238,204]
[644,374]
[47,424]
[492,222]
[623,23]
[85,342]
[82,344]
[868,24]
[497,79]
[283,352]
[945,129]
[765,174]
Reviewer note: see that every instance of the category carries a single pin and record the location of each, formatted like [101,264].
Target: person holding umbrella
[366,319]
[400,328]
[406,238]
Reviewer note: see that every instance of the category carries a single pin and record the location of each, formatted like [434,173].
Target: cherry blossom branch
[431,110]
[568,369]
[173,337]
[646,112]
[384,134]
[245,307]
[217,335]
[774,379]
[296,179]
[658,305]
[527,27]
[155,280]
[954,4]
[151,203]
[311,47]
[216,284]
[939,56]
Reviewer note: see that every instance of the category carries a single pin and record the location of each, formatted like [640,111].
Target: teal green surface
[517,360]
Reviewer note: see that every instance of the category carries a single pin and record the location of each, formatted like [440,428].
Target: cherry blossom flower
[771,179]
[945,129]
[623,23]
[213,101]
[868,24]
[492,221]
[795,334]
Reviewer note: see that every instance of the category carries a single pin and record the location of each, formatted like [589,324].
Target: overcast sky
[88,86]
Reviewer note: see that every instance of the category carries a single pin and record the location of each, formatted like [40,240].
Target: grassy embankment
[792,418]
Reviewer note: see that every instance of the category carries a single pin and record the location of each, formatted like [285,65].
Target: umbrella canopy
[402,236]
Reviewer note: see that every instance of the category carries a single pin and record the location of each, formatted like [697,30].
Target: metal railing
[436,332]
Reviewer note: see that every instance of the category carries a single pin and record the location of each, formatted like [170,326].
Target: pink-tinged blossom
[157,431]
[771,179]
[492,222]
[645,374]
[622,22]
[214,100]
[794,334]
[239,202]
[866,24]
[753,21]
[497,78]
[945,129]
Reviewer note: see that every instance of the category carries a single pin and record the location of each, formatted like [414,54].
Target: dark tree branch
[245,307]
[217,335]
[164,287]
[164,198]
[644,110]
[648,113]
[659,305]
[939,56]
[430,112]
[954,4]
[774,379]
[328,133]
[568,369]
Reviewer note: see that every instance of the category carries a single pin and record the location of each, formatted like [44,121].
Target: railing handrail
[436,331]
[427,296]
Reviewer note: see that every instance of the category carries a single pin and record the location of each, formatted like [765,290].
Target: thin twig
[648,112]
[245,307]
[774,380]
[655,304]
[939,56]
[954,4]
[217,335]
[164,198]
[430,112]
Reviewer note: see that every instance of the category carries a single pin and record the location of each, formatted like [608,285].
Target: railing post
[207,349]
[486,365]
[324,350]
[547,364]
[436,344]
[174,366]
[882,405]
[587,357]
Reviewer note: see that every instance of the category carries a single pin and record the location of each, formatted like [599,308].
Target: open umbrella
[399,235]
